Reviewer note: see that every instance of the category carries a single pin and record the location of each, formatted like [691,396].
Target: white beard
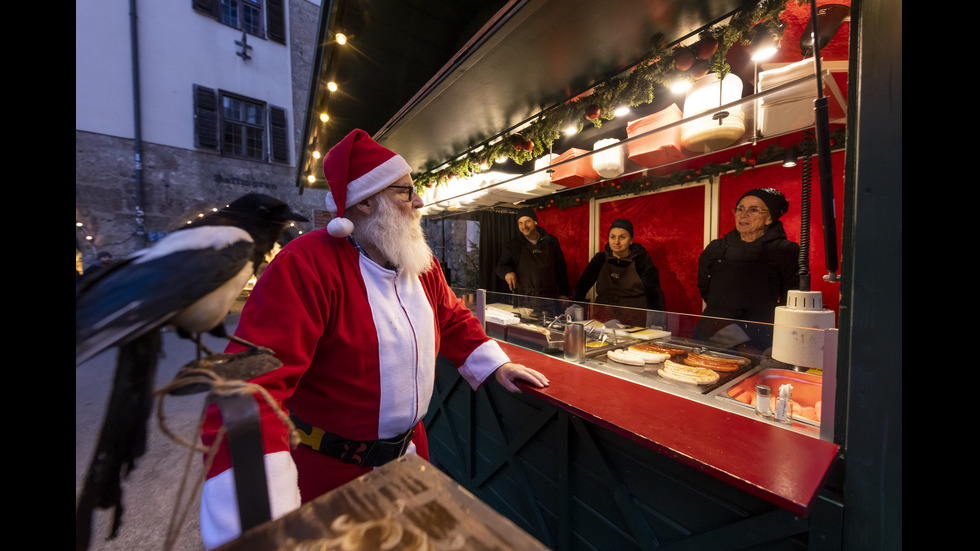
[397,236]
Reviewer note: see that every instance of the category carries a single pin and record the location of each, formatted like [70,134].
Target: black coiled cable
[804,257]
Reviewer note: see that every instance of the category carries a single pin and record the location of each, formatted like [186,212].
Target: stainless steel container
[574,346]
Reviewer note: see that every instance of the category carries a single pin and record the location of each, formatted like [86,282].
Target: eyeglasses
[751,210]
[409,191]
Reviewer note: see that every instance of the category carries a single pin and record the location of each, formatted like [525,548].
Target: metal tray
[807,390]
[653,370]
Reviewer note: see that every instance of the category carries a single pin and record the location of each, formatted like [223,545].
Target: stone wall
[176,184]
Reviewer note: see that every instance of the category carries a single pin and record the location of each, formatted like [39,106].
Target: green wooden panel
[574,485]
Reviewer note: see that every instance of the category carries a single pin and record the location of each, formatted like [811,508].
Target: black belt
[366,453]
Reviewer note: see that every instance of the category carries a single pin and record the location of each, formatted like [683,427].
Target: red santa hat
[357,168]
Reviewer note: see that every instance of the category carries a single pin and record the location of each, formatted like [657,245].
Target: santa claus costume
[358,343]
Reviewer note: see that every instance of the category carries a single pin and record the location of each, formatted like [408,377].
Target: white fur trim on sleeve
[220,522]
[482,362]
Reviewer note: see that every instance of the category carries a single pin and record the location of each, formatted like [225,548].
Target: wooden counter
[781,466]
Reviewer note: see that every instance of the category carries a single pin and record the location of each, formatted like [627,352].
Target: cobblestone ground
[152,490]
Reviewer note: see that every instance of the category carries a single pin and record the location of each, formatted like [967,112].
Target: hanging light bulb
[341,38]
[311,178]
[316,154]
[679,83]
[789,158]
[324,117]
[765,44]
[332,86]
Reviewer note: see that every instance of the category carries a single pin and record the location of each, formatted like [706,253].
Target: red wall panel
[789,181]
[670,226]
[571,227]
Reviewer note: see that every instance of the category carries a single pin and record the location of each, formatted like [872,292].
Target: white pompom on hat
[357,168]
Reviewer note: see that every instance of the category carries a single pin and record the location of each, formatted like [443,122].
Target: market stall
[612,454]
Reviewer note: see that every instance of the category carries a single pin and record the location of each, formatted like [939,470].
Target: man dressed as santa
[356,313]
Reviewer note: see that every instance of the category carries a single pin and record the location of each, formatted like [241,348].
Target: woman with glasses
[745,274]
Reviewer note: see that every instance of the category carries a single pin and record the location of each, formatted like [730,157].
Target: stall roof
[431,79]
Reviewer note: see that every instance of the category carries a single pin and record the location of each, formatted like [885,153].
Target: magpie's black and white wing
[194,275]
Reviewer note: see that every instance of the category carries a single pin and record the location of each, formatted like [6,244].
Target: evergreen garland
[635,88]
[646,182]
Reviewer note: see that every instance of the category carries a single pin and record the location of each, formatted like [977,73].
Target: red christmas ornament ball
[706,47]
[699,69]
[683,60]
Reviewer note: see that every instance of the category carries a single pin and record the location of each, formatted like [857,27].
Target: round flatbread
[648,356]
[688,374]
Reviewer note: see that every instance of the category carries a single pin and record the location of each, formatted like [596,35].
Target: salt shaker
[763,397]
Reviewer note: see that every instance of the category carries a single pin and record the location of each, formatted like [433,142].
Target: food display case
[627,429]
[726,364]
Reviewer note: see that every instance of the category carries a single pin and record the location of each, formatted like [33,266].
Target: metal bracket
[245,47]
[240,414]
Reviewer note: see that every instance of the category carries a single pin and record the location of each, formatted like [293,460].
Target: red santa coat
[358,345]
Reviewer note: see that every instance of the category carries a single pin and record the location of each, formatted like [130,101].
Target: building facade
[181,107]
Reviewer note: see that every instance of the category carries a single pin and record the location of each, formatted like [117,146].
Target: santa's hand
[510,372]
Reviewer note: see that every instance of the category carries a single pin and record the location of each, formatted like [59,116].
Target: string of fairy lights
[86,236]
[665,67]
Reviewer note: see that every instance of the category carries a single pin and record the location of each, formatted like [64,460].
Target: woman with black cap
[745,274]
[623,273]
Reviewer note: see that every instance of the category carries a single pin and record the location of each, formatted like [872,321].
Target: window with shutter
[261,18]
[279,134]
[238,126]
[205,118]
[276,20]
[207,7]
[243,124]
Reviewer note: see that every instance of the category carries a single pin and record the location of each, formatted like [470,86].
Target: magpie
[189,279]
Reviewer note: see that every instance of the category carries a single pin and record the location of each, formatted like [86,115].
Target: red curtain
[670,225]
[571,227]
[789,181]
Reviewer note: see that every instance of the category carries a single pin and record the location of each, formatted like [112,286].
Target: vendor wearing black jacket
[623,274]
[746,274]
[533,263]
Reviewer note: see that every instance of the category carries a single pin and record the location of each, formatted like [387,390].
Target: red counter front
[783,467]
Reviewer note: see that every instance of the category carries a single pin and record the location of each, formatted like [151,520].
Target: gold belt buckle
[313,439]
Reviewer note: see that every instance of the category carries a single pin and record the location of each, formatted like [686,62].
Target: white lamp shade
[611,162]
[706,133]
[543,177]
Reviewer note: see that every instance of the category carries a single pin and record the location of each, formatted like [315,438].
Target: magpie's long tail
[123,437]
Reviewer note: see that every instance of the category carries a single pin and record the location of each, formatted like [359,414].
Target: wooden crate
[407,503]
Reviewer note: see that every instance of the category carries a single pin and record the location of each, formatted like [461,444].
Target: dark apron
[741,291]
[619,285]
[536,271]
